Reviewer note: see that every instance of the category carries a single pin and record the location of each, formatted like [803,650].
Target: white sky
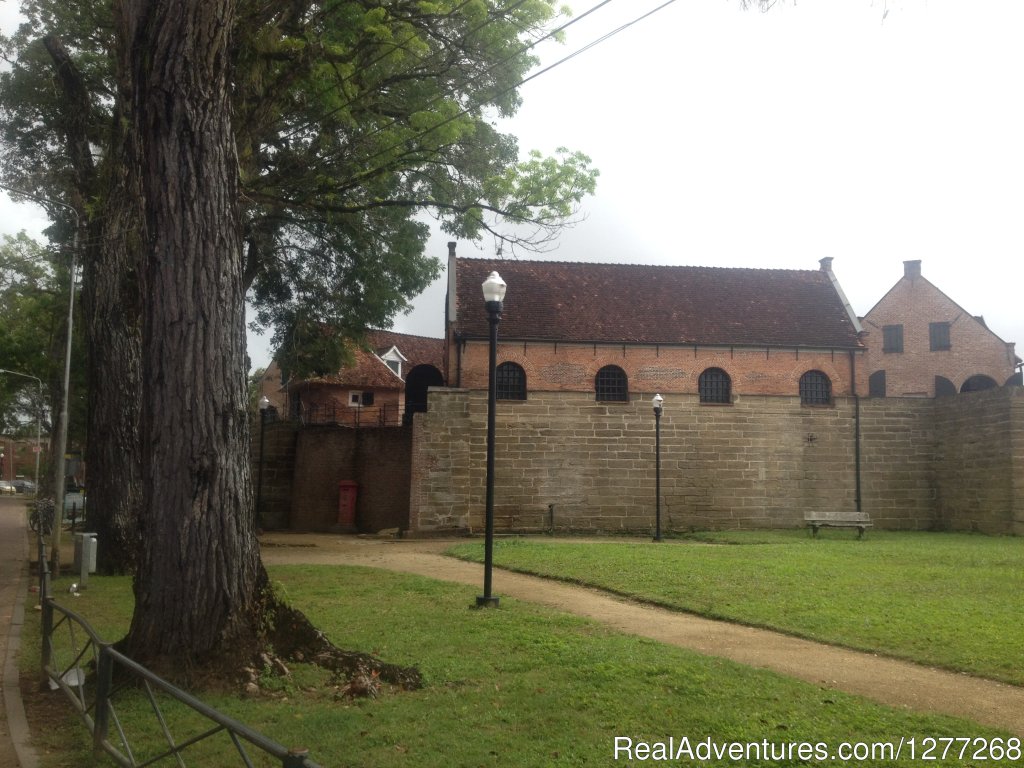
[870,131]
[867,131]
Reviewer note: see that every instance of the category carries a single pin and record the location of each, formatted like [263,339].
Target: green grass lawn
[950,600]
[517,686]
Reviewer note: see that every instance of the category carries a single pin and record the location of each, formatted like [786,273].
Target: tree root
[294,638]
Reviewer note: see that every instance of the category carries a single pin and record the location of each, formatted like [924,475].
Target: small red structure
[347,492]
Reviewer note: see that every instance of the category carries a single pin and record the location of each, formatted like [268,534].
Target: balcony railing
[363,416]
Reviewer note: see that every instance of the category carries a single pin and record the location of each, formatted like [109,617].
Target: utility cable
[370,173]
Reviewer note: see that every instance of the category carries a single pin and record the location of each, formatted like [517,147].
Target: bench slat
[858,520]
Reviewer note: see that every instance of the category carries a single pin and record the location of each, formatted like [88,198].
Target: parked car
[6,487]
[21,485]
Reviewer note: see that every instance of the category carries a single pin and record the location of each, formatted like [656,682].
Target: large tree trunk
[202,599]
[110,299]
[199,584]
[112,307]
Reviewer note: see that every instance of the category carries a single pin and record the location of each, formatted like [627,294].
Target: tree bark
[203,603]
[112,308]
[199,587]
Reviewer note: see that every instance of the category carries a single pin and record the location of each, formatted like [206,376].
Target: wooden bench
[858,520]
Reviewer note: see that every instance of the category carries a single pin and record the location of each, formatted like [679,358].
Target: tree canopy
[33,314]
[218,150]
[349,119]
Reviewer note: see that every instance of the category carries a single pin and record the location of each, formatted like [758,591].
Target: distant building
[377,388]
[622,331]
[921,343]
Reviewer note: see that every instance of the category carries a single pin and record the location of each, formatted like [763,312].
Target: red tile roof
[367,372]
[624,303]
[417,350]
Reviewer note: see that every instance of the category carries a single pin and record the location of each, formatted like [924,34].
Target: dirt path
[896,683]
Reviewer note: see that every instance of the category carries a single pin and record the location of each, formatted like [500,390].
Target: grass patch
[949,600]
[518,686]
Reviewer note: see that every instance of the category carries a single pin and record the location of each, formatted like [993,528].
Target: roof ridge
[403,333]
[629,265]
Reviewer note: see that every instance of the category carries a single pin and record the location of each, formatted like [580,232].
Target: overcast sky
[873,132]
[870,132]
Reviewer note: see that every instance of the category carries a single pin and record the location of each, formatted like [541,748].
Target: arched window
[714,386]
[510,382]
[611,385]
[944,387]
[815,389]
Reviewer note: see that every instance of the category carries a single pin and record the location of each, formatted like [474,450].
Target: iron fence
[85,667]
[363,416]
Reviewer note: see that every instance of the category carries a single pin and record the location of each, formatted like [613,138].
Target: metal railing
[363,416]
[82,666]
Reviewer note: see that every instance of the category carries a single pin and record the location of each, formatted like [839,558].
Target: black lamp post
[657,402]
[264,406]
[494,293]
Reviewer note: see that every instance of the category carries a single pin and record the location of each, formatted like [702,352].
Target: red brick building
[624,332]
[921,343]
[379,385]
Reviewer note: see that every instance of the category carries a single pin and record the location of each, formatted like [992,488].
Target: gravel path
[897,683]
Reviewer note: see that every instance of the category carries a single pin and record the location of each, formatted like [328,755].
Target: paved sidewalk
[15,749]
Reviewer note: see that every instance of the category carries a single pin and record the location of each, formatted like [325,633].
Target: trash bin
[347,491]
[85,553]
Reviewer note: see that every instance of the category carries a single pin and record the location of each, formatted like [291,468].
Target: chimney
[912,269]
[451,249]
[826,264]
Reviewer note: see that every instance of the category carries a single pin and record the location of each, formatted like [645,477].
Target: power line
[383,56]
[465,110]
[433,101]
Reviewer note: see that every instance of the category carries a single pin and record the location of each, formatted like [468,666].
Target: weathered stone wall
[760,462]
[442,475]
[897,462]
[980,461]
[565,462]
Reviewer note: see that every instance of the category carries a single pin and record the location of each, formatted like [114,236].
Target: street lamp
[264,405]
[657,403]
[39,409]
[494,293]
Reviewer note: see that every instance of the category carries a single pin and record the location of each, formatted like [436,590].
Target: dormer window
[393,359]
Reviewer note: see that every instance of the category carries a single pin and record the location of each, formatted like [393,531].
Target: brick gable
[909,308]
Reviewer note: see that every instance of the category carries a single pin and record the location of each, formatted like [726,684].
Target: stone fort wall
[566,463]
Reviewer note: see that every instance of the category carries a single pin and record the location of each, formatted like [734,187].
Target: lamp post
[264,405]
[657,403]
[39,418]
[494,293]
